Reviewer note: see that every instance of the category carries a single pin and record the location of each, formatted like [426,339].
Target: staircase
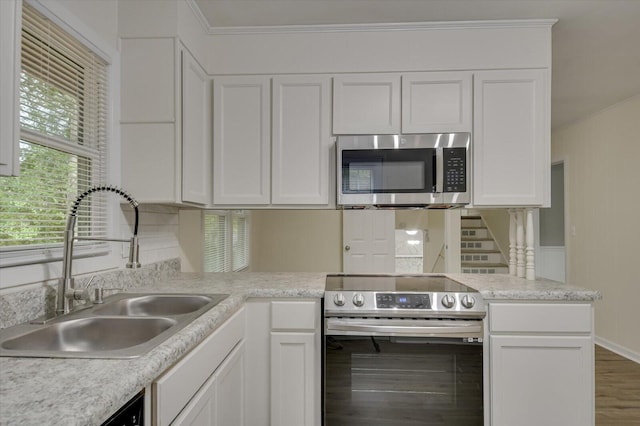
[478,251]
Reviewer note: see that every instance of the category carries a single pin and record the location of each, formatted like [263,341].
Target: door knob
[347,248]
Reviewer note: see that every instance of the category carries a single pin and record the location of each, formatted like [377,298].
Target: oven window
[402,381]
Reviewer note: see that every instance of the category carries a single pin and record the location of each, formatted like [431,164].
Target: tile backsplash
[22,306]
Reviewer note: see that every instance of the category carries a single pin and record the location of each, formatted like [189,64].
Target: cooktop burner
[426,295]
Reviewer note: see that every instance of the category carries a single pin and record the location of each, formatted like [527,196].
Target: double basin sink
[127,325]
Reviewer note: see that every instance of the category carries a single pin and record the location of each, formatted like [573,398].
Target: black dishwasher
[131,414]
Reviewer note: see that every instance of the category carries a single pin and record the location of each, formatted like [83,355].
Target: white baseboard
[620,350]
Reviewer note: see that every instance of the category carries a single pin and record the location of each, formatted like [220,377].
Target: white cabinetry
[10,18]
[436,102]
[206,387]
[511,143]
[541,364]
[166,142]
[241,127]
[302,141]
[366,104]
[271,150]
[283,362]
[425,102]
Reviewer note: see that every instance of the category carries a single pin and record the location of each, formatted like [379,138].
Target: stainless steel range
[402,347]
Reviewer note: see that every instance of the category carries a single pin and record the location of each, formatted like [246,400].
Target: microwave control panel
[455,169]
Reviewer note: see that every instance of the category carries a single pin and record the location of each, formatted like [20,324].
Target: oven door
[396,372]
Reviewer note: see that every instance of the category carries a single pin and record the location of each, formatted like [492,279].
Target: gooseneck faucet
[67,293]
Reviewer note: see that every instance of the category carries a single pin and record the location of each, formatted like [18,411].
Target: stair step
[471,222]
[470,233]
[481,258]
[473,269]
[478,244]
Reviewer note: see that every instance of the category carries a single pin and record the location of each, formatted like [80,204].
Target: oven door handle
[438,328]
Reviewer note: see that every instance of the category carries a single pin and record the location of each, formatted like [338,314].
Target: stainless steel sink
[91,334]
[125,326]
[155,304]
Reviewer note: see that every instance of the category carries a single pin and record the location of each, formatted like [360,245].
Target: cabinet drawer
[540,317]
[176,387]
[298,315]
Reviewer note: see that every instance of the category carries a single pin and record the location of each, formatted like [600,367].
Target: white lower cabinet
[283,362]
[541,364]
[206,387]
[220,401]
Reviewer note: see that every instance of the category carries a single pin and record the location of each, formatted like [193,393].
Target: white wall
[601,155]
[371,48]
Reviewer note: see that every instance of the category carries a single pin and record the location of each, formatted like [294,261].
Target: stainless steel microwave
[421,170]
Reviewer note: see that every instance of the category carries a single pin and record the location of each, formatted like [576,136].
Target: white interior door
[368,239]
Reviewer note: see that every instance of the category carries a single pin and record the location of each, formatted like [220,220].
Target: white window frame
[36,266]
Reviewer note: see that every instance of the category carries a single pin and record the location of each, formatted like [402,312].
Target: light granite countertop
[48,391]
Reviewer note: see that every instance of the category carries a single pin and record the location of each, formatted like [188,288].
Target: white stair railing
[521,243]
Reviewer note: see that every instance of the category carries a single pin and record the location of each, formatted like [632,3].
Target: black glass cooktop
[400,283]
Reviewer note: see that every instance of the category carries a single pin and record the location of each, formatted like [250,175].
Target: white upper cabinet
[272,144]
[511,140]
[196,135]
[366,104]
[422,102]
[436,102]
[301,140]
[10,15]
[166,141]
[241,124]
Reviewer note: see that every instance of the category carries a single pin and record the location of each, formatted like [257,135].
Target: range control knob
[338,299]
[448,301]
[358,299]
[468,301]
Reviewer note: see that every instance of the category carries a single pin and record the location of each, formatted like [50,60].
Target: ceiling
[596,43]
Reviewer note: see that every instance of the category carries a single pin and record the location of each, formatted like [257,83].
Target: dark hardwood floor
[617,389]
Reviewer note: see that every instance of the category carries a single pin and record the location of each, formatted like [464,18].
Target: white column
[512,241]
[530,251]
[452,260]
[520,263]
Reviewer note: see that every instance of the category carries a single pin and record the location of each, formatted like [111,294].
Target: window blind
[240,249]
[216,256]
[62,150]
[226,241]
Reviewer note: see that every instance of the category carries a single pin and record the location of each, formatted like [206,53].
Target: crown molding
[340,28]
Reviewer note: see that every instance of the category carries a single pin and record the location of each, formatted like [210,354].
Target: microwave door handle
[439,170]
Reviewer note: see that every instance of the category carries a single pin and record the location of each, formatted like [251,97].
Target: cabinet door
[436,102]
[293,379]
[201,410]
[366,104]
[230,389]
[301,141]
[10,18]
[541,380]
[196,139]
[241,135]
[511,145]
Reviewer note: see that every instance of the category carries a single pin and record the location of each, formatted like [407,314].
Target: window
[62,150]
[226,241]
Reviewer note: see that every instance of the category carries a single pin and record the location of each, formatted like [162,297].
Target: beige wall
[296,241]
[601,156]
